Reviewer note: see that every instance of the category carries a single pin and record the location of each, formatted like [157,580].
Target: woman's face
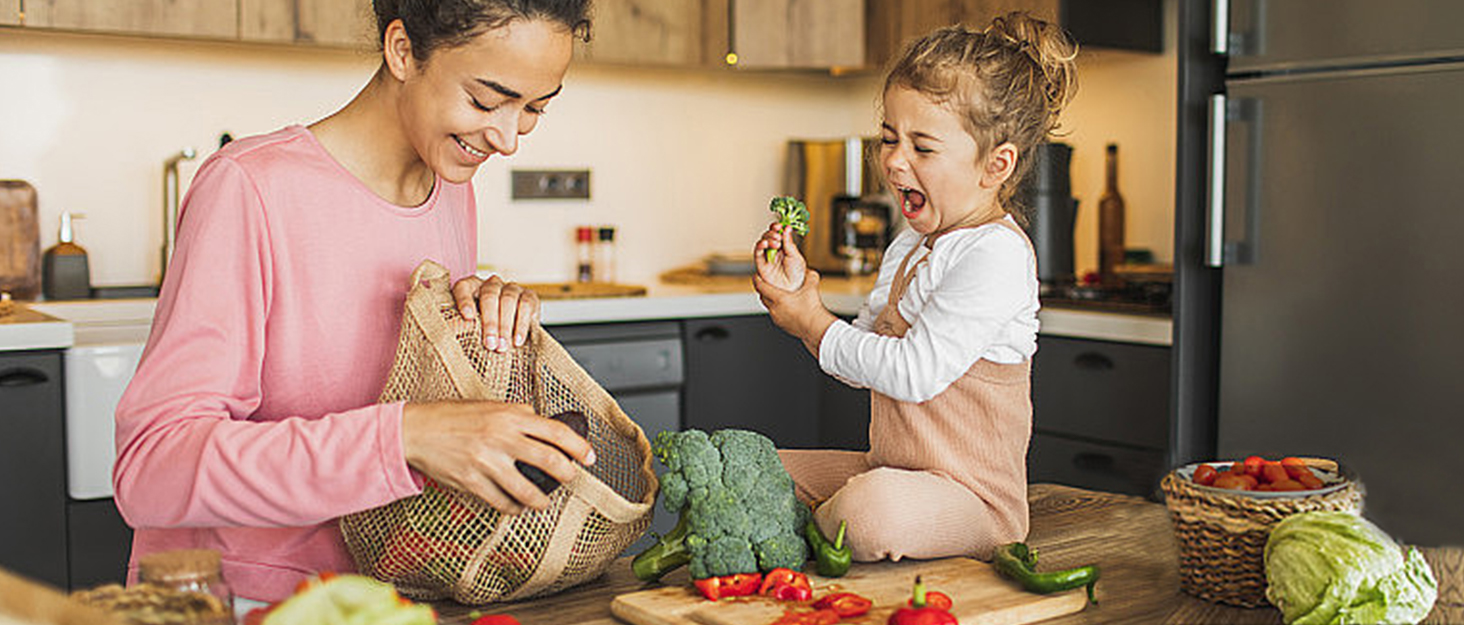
[931,163]
[472,101]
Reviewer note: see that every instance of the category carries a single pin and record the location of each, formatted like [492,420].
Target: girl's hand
[506,309]
[471,446]
[798,312]
[787,267]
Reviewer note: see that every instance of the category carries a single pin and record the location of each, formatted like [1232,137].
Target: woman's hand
[471,446]
[786,270]
[799,312]
[507,309]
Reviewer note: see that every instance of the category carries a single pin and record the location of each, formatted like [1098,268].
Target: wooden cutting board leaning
[20,243]
[980,595]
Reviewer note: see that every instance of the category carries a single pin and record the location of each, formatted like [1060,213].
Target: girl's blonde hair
[1008,83]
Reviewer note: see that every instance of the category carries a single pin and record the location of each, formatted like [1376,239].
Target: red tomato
[1290,461]
[1253,466]
[1231,481]
[844,603]
[1285,485]
[496,619]
[1250,481]
[1274,472]
[734,585]
[1311,482]
[1205,475]
[1296,471]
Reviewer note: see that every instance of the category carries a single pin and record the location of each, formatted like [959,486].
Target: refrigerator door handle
[1220,31]
[1215,241]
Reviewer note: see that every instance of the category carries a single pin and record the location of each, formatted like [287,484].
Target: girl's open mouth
[911,204]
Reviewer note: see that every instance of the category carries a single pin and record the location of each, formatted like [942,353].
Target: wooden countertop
[1130,538]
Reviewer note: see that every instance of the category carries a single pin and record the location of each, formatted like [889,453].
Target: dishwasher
[640,364]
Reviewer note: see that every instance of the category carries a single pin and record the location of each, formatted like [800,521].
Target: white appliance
[109,337]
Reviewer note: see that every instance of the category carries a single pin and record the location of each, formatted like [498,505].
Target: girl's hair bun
[1050,48]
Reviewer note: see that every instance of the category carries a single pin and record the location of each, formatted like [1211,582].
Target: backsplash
[683,162]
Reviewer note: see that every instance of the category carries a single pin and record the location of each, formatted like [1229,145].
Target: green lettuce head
[1337,568]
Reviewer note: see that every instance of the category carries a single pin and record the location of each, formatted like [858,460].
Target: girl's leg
[819,473]
[898,513]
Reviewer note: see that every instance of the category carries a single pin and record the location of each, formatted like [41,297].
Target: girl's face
[931,163]
[472,101]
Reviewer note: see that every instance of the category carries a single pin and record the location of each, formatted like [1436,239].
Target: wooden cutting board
[980,595]
[584,290]
[20,248]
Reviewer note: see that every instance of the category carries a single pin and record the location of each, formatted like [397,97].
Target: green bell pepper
[833,559]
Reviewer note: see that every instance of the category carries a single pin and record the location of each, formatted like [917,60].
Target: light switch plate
[535,184]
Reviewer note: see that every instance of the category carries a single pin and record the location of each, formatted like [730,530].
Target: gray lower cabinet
[33,463]
[744,372]
[98,543]
[1100,414]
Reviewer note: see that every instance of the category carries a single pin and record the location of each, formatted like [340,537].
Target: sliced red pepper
[496,619]
[935,599]
[790,592]
[788,577]
[734,585]
[845,604]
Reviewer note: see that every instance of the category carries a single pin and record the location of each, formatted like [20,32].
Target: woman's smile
[475,156]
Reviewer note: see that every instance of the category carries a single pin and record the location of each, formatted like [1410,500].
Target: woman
[250,425]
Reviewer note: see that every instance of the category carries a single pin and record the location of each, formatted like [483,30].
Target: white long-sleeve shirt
[975,297]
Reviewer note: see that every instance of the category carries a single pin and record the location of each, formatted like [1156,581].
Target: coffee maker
[1048,193]
[850,215]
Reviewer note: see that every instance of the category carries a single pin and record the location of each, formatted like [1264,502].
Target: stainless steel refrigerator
[1321,238]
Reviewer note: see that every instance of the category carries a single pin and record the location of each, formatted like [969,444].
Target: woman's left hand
[506,309]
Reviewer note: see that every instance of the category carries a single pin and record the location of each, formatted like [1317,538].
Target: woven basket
[446,543]
[1222,533]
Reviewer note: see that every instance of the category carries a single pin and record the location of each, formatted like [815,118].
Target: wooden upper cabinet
[809,34]
[186,18]
[894,22]
[345,23]
[644,32]
[9,12]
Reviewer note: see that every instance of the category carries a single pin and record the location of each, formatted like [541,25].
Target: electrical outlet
[530,184]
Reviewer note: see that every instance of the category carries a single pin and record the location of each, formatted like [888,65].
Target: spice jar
[195,571]
[584,237]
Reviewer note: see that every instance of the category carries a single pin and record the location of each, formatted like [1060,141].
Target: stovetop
[1149,298]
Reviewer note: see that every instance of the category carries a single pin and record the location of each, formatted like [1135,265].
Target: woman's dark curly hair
[432,24]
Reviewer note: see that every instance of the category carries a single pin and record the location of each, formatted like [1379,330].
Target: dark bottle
[1110,221]
[65,273]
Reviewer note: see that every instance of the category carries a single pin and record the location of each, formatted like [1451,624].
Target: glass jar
[605,255]
[584,255]
[191,571]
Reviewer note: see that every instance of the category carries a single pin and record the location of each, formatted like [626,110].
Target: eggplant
[581,426]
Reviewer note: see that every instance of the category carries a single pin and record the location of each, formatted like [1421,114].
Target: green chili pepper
[833,558]
[1019,562]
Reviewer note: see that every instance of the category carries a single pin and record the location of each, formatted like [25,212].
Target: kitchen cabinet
[99,543]
[347,23]
[1100,414]
[1115,24]
[210,19]
[796,34]
[33,461]
[646,32]
[744,372]
[9,12]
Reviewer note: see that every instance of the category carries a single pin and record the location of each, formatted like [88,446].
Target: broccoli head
[738,511]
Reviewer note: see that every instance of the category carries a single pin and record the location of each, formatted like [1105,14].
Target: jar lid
[179,564]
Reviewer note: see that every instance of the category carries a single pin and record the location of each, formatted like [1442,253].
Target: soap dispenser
[64,270]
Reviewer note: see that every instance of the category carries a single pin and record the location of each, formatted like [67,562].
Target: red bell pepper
[920,612]
[734,585]
[844,603]
[496,619]
[935,599]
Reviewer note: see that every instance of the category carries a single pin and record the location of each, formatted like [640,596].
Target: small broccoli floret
[738,510]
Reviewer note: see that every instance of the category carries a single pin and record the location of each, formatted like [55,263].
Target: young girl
[251,423]
[946,337]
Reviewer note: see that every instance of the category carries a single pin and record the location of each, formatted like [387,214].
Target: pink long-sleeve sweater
[251,423]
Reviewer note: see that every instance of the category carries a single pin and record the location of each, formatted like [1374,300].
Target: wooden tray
[584,290]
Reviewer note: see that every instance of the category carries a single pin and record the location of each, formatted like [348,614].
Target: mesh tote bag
[446,543]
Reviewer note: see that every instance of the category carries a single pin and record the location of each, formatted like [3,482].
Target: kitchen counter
[127,320]
[1130,539]
[24,328]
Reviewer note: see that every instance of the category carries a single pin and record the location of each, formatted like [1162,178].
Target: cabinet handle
[712,333]
[1093,361]
[23,377]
